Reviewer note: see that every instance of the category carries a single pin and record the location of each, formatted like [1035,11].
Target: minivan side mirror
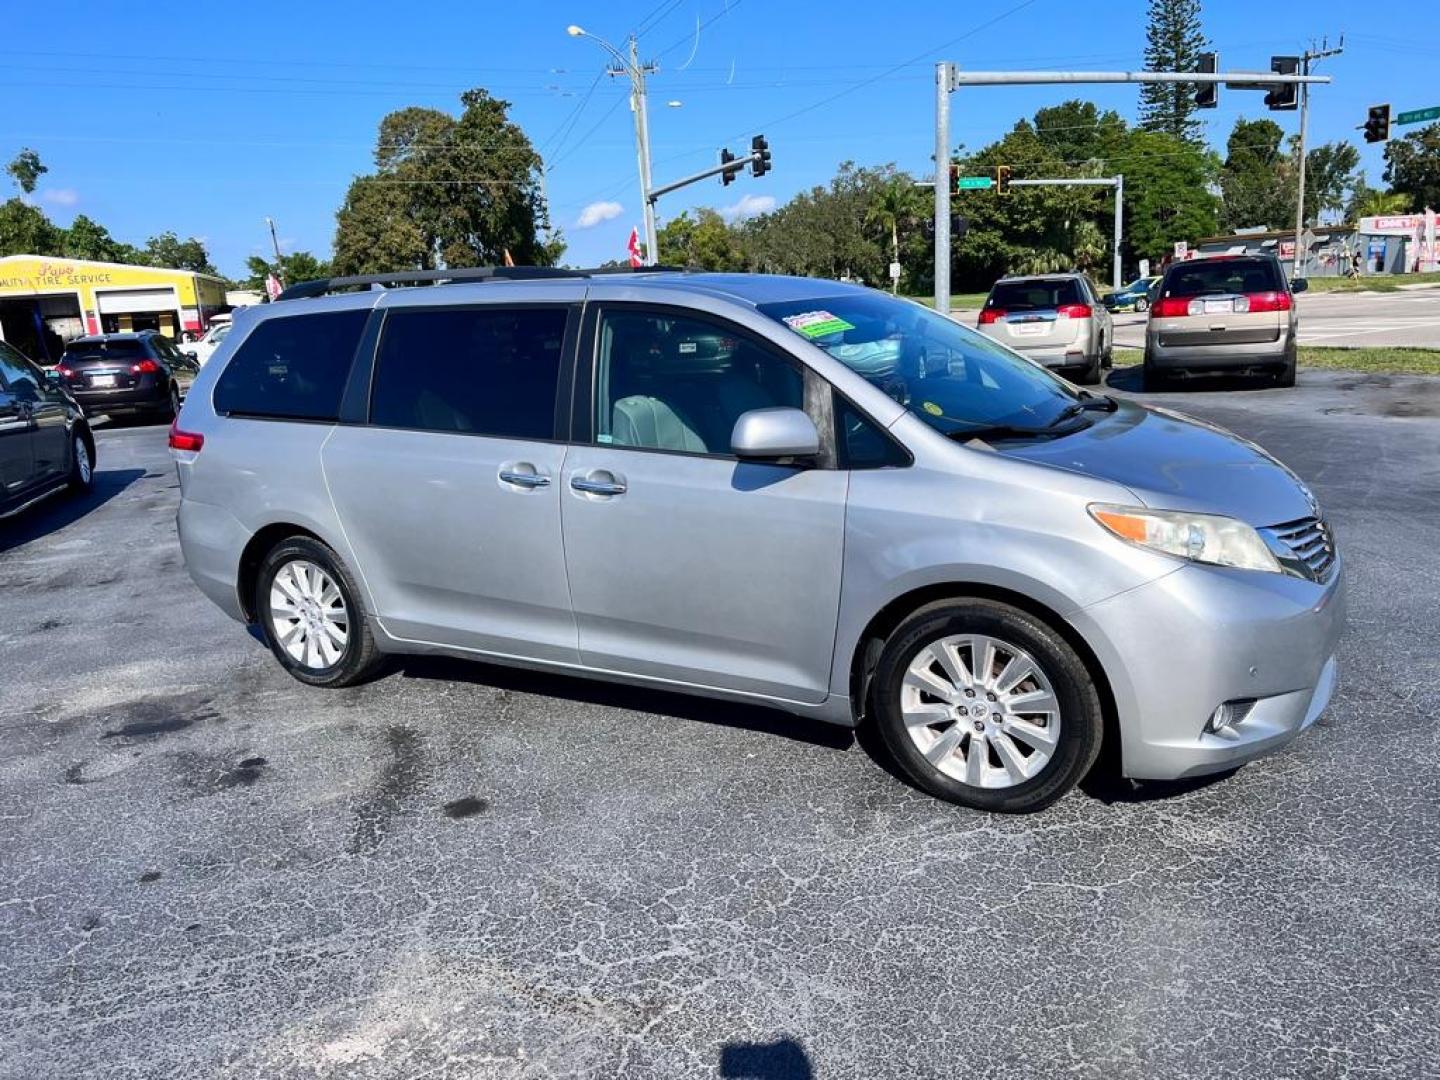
[1299,285]
[774,433]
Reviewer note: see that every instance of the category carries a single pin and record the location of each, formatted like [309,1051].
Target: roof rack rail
[456,276]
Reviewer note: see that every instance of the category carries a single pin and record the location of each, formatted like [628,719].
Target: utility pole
[1305,61]
[949,78]
[636,72]
[279,266]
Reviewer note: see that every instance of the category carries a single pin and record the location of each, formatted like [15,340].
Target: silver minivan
[764,489]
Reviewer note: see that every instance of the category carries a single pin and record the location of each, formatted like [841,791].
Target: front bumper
[1176,649]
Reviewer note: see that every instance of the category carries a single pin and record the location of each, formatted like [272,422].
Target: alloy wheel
[308,615]
[82,461]
[980,710]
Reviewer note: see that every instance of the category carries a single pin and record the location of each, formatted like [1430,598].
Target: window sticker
[814,324]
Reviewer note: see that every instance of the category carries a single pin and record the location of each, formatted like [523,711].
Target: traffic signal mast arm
[759,157]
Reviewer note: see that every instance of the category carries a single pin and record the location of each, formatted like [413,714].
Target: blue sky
[205,118]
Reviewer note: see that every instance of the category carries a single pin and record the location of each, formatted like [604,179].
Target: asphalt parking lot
[207,869]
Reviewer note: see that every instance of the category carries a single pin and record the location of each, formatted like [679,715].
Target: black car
[118,374]
[45,443]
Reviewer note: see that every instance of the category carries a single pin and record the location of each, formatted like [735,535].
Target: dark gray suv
[45,443]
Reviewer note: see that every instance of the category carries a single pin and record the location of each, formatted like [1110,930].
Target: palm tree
[1374,203]
[897,204]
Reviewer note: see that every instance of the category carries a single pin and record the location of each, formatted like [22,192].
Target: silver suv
[763,489]
[1054,319]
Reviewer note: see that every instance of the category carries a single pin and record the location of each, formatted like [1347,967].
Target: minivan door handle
[598,482]
[524,475]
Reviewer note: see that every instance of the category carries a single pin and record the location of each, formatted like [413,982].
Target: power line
[730,6]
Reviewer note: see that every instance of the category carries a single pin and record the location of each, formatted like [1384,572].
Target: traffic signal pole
[949,78]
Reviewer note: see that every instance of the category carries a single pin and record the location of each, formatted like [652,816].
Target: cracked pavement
[208,869]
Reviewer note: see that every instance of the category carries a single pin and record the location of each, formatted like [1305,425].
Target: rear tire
[1285,377]
[82,464]
[172,410]
[1006,712]
[1142,304]
[1092,374]
[1153,378]
[310,613]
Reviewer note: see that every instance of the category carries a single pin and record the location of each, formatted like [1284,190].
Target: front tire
[983,704]
[309,611]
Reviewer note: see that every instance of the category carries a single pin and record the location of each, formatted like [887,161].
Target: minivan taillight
[989,315]
[1171,307]
[185,440]
[145,367]
[1265,301]
[1074,311]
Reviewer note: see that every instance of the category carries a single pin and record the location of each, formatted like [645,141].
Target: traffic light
[1286,96]
[954,179]
[761,165]
[1207,95]
[959,226]
[728,175]
[1002,179]
[1377,123]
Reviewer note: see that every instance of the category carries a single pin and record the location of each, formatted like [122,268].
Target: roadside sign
[894,271]
[1182,249]
[1419,116]
[974,183]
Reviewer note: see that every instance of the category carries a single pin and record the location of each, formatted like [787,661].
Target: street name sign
[975,183]
[1419,116]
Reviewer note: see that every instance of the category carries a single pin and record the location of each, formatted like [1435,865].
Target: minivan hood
[1176,462]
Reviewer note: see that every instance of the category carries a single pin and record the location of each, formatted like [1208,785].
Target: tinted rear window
[1219,277]
[80,351]
[1033,295]
[480,371]
[293,367]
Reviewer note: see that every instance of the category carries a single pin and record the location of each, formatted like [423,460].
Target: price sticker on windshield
[815,324]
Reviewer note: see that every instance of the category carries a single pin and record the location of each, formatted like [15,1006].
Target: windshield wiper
[1089,403]
[1004,431]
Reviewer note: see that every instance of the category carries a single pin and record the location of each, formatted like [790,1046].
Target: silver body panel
[758,582]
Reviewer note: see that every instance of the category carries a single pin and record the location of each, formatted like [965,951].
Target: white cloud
[597,212]
[60,196]
[749,206]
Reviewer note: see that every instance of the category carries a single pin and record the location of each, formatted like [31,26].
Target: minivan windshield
[949,376]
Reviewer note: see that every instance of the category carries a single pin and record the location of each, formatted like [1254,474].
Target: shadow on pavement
[60,510]
[1106,785]
[634,698]
[1132,381]
[784,1059]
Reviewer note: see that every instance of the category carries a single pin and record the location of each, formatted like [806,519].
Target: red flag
[509,260]
[633,247]
[272,286]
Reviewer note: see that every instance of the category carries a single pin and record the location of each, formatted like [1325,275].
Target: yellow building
[45,302]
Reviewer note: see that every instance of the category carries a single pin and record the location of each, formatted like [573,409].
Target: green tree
[297,266]
[1079,134]
[1257,179]
[447,191]
[1331,173]
[26,169]
[1366,201]
[1173,42]
[704,241]
[25,230]
[169,251]
[1168,184]
[898,205]
[87,239]
[1412,166]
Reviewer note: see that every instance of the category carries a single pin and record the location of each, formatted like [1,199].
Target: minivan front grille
[1309,544]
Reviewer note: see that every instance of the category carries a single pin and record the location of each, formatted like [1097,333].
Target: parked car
[45,444]
[1231,313]
[205,347]
[1135,296]
[997,569]
[1054,319]
[119,374]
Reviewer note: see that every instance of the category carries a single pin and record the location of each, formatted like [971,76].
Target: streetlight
[632,67]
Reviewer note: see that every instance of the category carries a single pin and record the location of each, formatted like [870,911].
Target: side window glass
[862,444]
[479,371]
[292,367]
[666,382]
[18,376]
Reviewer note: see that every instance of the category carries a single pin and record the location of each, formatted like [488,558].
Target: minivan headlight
[1205,538]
